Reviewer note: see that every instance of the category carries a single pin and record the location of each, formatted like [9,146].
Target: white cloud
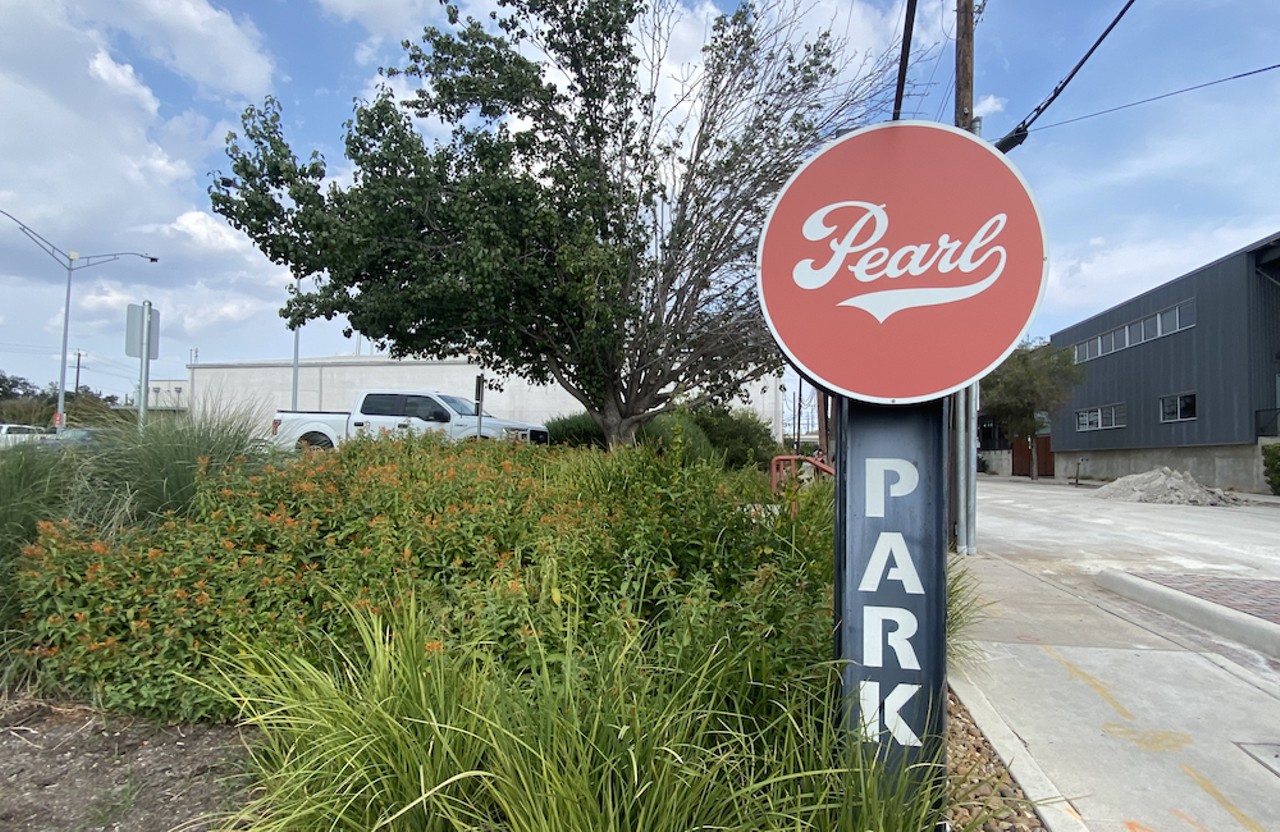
[206,233]
[105,295]
[193,38]
[122,79]
[206,309]
[368,50]
[101,305]
[396,19]
[1089,278]
[988,105]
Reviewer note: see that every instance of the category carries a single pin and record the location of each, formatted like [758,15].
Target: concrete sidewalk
[1120,713]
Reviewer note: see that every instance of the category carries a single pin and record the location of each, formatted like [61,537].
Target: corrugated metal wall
[1264,341]
[1211,359]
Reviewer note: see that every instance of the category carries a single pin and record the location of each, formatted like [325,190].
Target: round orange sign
[902,262]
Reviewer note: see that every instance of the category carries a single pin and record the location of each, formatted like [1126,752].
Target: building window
[1102,418]
[1179,408]
[1165,322]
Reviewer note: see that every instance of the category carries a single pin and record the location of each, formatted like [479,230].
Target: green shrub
[678,433]
[740,435]
[1271,466]
[527,549]
[579,430]
[28,410]
[499,540]
[32,489]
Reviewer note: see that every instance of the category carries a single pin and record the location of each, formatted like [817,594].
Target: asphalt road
[1069,533]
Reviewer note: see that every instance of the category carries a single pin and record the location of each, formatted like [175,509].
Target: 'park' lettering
[876,714]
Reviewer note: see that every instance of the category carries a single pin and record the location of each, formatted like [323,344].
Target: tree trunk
[1035,463]
[619,430]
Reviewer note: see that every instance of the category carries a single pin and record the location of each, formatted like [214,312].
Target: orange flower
[436,646]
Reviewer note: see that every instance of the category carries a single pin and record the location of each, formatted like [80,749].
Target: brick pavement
[1260,598]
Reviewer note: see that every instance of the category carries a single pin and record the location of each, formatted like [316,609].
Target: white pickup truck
[11,435]
[397,411]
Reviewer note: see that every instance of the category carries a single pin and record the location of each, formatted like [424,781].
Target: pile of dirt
[70,769]
[1164,485]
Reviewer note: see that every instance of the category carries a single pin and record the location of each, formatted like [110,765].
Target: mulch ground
[71,769]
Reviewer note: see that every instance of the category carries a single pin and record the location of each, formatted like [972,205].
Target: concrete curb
[1249,630]
[1051,805]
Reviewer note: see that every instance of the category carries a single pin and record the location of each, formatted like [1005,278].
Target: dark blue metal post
[890,602]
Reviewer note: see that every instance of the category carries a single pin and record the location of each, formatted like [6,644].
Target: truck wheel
[315,441]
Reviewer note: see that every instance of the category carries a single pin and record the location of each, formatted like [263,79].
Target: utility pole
[960,507]
[964,64]
[76,389]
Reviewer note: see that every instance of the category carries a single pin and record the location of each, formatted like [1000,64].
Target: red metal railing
[790,466]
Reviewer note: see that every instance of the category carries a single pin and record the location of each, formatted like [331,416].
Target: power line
[908,25]
[1018,135]
[1160,97]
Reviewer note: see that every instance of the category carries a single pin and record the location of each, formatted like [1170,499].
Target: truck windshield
[464,407]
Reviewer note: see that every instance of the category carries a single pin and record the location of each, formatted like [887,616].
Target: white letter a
[891,544]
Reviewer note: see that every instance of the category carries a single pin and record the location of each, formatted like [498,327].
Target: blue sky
[115,112]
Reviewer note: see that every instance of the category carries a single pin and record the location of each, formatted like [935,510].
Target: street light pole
[297,332]
[72,261]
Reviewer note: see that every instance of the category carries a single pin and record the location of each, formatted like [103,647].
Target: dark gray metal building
[1186,375]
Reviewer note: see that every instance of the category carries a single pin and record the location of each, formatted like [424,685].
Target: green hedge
[739,438]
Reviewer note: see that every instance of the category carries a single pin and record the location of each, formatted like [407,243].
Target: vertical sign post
[142,341]
[480,405]
[899,265]
[891,587]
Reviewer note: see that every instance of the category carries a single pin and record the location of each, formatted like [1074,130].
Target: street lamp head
[154,259]
[73,255]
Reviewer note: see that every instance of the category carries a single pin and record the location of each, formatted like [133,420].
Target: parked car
[397,411]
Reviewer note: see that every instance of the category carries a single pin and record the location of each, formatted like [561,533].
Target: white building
[333,383]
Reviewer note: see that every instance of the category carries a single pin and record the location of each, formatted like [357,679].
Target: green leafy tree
[1035,379]
[15,387]
[592,217]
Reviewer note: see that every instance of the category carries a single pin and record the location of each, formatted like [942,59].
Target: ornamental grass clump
[403,731]
[130,476]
